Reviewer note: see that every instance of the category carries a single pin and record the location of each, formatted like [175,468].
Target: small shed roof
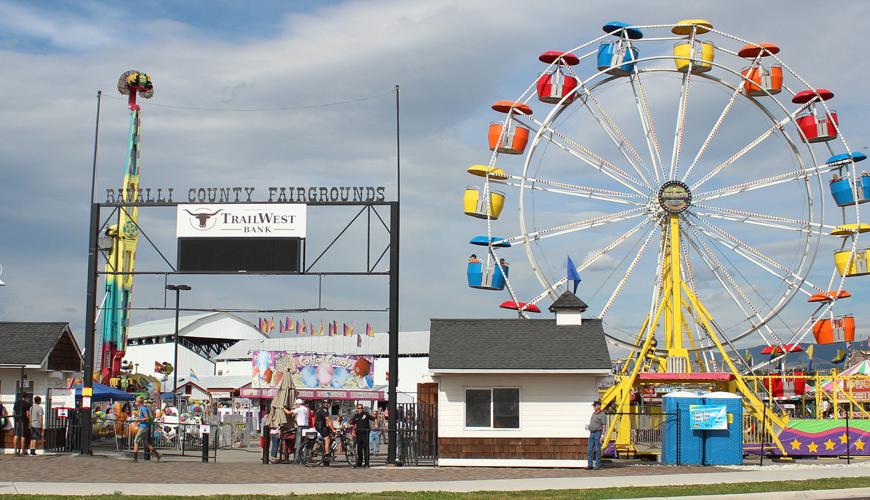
[30,344]
[568,302]
[517,345]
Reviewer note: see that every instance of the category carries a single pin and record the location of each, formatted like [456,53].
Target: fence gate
[417,433]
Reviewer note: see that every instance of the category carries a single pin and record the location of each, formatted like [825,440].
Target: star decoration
[844,438]
[813,447]
[829,445]
[795,445]
[859,445]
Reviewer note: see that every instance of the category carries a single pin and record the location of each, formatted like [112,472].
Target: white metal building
[202,337]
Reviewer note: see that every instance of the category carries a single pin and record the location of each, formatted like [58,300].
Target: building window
[496,408]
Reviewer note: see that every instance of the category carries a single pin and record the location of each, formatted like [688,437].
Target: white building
[37,357]
[515,392]
[202,337]
[413,355]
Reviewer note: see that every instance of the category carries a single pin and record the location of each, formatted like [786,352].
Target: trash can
[725,446]
[680,444]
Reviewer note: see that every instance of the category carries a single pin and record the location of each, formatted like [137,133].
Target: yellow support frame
[676,297]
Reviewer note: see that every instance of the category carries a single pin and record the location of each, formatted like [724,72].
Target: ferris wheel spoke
[772,221]
[628,273]
[712,134]
[615,133]
[646,121]
[594,160]
[747,251]
[772,180]
[680,129]
[749,147]
[580,225]
[722,275]
[577,190]
[592,258]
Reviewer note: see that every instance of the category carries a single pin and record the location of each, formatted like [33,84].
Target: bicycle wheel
[349,450]
[313,454]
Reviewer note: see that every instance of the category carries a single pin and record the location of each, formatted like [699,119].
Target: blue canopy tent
[105,393]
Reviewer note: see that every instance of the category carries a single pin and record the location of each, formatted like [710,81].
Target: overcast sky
[221,68]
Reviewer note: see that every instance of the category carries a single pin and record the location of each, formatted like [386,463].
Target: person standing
[375,435]
[121,429]
[595,427]
[21,414]
[300,413]
[144,431]
[323,425]
[36,415]
[361,422]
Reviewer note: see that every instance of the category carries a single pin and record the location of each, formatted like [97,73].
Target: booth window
[497,408]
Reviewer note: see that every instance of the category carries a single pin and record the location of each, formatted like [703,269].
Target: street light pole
[177,289]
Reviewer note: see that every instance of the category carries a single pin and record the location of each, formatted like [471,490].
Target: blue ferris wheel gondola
[841,187]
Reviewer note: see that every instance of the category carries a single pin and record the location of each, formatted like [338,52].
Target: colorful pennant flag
[840,357]
[370,330]
[298,328]
[748,357]
[321,328]
[810,351]
[359,340]
[348,330]
[573,274]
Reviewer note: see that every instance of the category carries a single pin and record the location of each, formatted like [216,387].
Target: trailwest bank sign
[241,220]
[275,194]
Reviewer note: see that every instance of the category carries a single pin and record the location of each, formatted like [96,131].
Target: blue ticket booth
[680,444]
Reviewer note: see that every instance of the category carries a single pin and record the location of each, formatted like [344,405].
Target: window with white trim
[492,408]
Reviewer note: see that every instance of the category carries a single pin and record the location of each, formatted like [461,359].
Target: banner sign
[333,394]
[254,220]
[312,370]
[708,417]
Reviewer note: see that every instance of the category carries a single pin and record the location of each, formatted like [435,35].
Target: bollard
[266,444]
[205,447]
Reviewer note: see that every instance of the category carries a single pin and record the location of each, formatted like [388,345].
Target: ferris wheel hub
[675,197]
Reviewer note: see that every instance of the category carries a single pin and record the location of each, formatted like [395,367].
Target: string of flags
[310,328]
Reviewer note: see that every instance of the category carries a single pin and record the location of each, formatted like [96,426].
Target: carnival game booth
[517,393]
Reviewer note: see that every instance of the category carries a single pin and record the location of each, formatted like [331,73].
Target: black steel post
[175,357]
[267,444]
[393,333]
[205,437]
[763,435]
[90,328]
[394,304]
[848,444]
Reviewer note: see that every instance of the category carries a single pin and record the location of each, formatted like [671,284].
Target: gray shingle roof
[568,301]
[28,343]
[516,344]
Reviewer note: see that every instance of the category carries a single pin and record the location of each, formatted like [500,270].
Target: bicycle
[341,442]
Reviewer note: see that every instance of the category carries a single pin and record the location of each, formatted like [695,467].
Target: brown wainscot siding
[513,448]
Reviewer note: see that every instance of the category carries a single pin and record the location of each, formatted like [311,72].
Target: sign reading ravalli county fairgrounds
[245,194]
[242,220]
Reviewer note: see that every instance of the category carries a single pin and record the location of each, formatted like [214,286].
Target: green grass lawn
[628,492]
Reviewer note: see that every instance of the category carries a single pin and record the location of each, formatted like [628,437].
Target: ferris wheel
[683,165]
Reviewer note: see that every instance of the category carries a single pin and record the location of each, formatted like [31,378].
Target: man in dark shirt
[596,425]
[21,412]
[323,425]
[360,421]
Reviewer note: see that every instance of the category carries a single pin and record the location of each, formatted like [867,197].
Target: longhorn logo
[203,218]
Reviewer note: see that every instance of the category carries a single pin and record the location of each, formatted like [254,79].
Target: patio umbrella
[285,396]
